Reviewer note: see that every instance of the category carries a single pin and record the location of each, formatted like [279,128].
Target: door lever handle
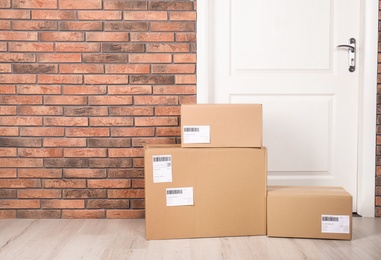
[351,53]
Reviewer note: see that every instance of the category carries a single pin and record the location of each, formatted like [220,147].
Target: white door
[284,55]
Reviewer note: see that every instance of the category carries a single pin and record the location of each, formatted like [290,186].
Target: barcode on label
[191,129]
[173,192]
[335,219]
[162,158]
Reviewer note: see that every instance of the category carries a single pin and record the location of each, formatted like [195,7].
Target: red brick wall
[84,84]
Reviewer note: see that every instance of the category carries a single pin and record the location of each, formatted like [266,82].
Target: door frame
[367,91]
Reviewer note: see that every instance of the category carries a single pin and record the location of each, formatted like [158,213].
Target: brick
[122,47]
[7,213]
[105,58]
[40,152]
[85,194]
[131,111]
[5,25]
[108,204]
[110,100]
[125,214]
[65,100]
[156,100]
[128,69]
[60,57]
[83,214]
[172,27]
[8,194]
[137,204]
[19,184]
[193,47]
[64,142]
[89,132]
[188,100]
[8,173]
[34,4]
[39,214]
[20,142]
[66,163]
[185,79]
[138,183]
[113,121]
[114,142]
[170,5]
[5,3]
[100,15]
[106,79]
[78,47]
[133,131]
[157,80]
[150,58]
[40,110]
[8,110]
[35,69]
[126,26]
[10,89]
[121,184]
[184,90]
[138,162]
[21,204]
[40,173]
[378,201]
[110,163]
[107,37]
[86,111]
[167,47]
[66,121]
[82,69]
[168,131]
[185,58]
[14,14]
[131,152]
[53,15]
[145,15]
[84,173]
[42,131]
[44,90]
[139,142]
[5,68]
[80,4]
[125,5]
[152,37]
[85,152]
[125,173]
[8,152]
[21,100]
[62,36]
[167,111]
[126,193]
[63,204]
[39,194]
[182,16]
[186,37]
[64,184]
[17,57]
[20,121]
[174,69]
[34,25]
[59,79]
[129,90]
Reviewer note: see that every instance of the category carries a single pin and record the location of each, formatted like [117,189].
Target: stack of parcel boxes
[215,184]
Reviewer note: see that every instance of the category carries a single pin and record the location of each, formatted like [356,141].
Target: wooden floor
[125,239]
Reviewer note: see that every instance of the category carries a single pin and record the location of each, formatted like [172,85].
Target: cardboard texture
[231,125]
[229,192]
[309,212]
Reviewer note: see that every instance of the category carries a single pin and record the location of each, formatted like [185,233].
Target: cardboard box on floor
[204,192]
[221,125]
[309,212]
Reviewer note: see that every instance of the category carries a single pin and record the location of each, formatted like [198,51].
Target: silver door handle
[351,53]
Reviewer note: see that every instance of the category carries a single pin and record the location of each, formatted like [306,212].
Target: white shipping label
[180,196]
[199,134]
[162,168]
[335,224]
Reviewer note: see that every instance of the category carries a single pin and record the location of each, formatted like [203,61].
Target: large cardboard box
[309,212]
[204,192]
[221,125]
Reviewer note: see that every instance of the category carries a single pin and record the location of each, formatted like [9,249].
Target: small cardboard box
[309,212]
[218,125]
[204,192]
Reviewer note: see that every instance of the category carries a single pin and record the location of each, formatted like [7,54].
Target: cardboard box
[309,212]
[204,192]
[216,125]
